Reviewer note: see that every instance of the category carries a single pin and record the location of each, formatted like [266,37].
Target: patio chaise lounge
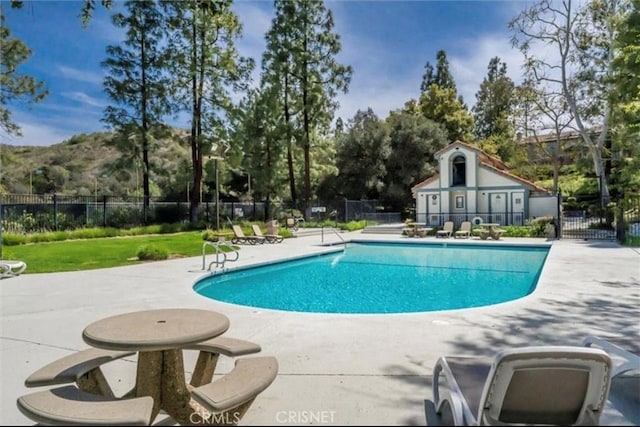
[624,361]
[464,231]
[270,238]
[10,268]
[447,230]
[239,237]
[550,385]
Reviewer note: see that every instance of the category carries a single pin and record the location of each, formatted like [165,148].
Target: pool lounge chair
[10,268]
[624,361]
[464,231]
[270,238]
[529,385]
[447,230]
[240,238]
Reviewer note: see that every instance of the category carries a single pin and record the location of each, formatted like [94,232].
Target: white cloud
[85,99]
[34,133]
[80,75]
[469,67]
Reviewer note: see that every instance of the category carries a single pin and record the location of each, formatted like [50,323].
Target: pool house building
[472,185]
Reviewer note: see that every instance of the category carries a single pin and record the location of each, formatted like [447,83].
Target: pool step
[384,229]
[303,232]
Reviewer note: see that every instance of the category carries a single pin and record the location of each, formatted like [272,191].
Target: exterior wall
[488,178]
[488,193]
[543,206]
[446,160]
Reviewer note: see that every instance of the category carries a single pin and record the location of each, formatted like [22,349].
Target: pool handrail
[335,232]
[217,246]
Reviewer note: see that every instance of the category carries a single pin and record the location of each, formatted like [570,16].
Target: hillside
[87,164]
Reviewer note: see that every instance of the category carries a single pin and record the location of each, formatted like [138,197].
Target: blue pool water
[385,278]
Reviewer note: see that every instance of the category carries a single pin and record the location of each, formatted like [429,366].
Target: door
[498,208]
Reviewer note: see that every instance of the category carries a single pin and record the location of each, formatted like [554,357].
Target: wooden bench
[82,367]
[69,405]
[228,398]
[211,350]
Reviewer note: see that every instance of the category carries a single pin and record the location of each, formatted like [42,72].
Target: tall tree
[441,76]
[367,140]
[258,133]
[137,83]
[543,119]
[441,105]
[414,140]
[278,77]
[582,71]
[439,100]
[318,74]
[206,67]
[626,99]
[494,101]
[13,85]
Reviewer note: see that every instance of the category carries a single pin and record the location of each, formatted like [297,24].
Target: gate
[584,218]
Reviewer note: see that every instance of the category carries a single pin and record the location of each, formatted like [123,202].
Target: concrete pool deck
[333,369]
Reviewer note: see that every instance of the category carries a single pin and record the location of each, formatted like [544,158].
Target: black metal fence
[587,218]
[33,213]
[438,219]
[26,213]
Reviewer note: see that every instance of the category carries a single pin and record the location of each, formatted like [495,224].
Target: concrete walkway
[334,369]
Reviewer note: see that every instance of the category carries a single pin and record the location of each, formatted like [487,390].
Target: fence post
[55,212]
[621,225]
[104,211]
[559,215]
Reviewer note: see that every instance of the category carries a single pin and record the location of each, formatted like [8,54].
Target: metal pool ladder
[218,251]
[336,233]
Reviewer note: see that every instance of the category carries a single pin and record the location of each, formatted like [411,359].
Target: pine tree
[13,85]
[494,102]
[439,100]
[137,83]
[205,67]
[304,38]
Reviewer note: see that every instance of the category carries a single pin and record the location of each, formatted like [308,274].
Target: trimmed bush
[152,253]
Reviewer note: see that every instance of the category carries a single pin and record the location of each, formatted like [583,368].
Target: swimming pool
[385,278]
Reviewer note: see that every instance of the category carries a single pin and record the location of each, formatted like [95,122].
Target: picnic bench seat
[210,351]
[82,367]
[234,393]
[69,405]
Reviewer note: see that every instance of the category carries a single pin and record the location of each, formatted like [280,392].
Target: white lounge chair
[624,361]
[464,231]
[529,385]
[11,268]
[447,230]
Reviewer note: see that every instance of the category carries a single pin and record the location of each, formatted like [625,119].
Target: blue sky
[386,42]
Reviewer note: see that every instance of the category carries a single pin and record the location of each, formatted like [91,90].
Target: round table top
[155,330]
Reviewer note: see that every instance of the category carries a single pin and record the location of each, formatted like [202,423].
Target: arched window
[458,172]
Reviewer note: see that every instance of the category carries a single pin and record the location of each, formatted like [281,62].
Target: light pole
[215,166]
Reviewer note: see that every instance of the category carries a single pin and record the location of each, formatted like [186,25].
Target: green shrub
[152,253]
[517,231]
[354,225]
[13,239]
[632,241]
[539,224]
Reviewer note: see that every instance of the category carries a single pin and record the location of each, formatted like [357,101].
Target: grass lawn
[74,255]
